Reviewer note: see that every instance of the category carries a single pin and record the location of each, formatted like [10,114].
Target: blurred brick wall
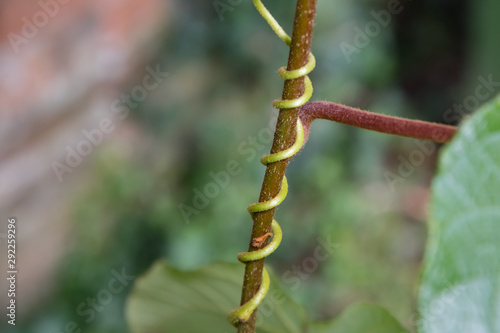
[62,63]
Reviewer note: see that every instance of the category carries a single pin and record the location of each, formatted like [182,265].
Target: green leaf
[460,290]
[361,318]
[168,300]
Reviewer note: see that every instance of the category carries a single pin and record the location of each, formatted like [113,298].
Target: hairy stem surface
[284,137]
[374,121]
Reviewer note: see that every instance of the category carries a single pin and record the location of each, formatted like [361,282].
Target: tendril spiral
[243,313]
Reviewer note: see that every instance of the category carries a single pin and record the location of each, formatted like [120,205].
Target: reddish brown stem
[374,121]
[284,137]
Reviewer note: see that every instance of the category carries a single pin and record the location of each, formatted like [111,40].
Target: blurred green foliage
[223,79]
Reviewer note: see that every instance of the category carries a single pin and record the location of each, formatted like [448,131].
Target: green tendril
[243,313]
[287,153]
[264,252]
[295,103]
[272,22]
[303,71]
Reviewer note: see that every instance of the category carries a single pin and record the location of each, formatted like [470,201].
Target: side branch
[374,121]
[284,138]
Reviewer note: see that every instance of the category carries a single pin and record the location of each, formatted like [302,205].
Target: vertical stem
[284,137]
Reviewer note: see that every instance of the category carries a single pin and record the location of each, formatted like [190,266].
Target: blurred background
[120,121]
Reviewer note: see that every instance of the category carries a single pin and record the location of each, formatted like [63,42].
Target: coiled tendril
[243,313]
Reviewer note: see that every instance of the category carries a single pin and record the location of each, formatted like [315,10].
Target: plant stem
[284,137]
[374,121]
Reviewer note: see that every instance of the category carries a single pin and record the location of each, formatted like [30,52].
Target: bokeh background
[67,66]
